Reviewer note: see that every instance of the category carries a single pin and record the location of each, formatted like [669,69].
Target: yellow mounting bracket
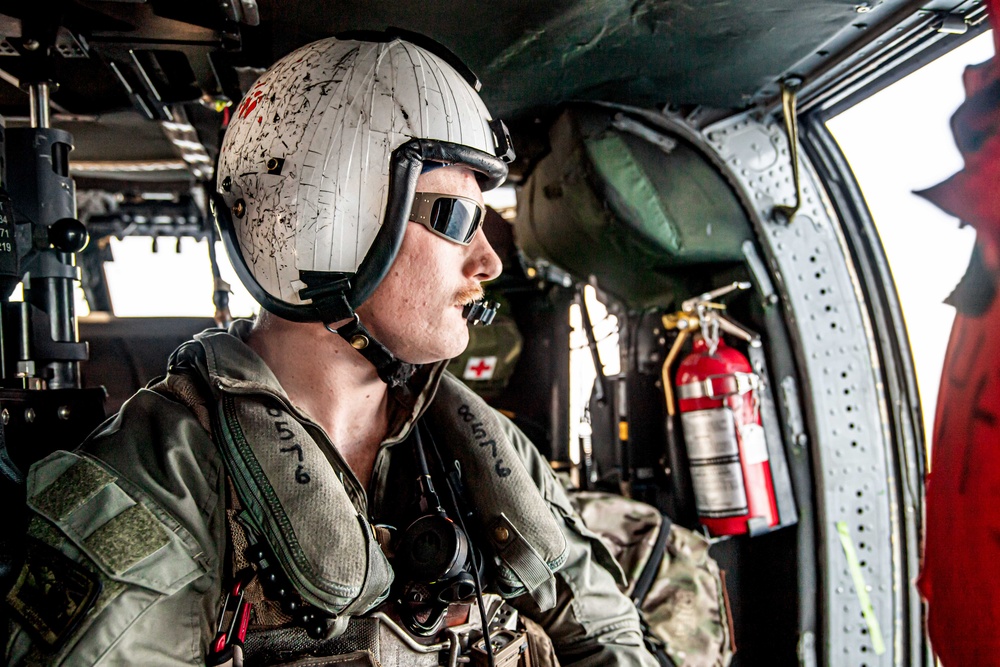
[686,324]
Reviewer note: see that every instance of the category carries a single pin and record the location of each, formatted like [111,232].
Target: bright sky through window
[897,141]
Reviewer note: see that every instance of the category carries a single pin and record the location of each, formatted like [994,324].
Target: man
[313,484]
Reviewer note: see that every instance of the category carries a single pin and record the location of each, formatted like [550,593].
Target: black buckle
[327,290]
[322,284]
[501,137]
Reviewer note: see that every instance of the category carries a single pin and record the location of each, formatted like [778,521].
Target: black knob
[317,630]
[290,605]
[68,235]
[255,553]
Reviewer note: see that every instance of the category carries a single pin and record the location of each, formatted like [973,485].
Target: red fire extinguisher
[717,398]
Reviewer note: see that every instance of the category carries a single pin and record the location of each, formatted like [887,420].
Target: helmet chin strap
[395,372]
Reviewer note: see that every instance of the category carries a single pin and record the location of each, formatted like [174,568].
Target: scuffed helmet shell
[309,150]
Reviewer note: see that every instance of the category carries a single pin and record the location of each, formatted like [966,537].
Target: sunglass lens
[455,218]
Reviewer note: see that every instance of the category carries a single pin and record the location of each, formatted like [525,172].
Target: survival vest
[292,495]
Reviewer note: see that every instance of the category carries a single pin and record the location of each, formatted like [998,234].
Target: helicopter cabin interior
[676,199]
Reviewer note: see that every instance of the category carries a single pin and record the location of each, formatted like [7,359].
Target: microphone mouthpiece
[481,312]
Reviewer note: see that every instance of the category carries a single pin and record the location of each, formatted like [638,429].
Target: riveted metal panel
[843,395]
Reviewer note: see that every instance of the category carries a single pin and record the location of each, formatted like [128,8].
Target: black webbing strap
[393,372]
[652,567]
[328,292]
[8,470]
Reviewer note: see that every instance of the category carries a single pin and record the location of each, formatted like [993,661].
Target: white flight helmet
[319,165]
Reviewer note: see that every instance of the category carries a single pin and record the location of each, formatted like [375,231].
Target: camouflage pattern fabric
[685,606]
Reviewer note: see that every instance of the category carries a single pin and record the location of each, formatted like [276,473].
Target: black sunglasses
[454,218]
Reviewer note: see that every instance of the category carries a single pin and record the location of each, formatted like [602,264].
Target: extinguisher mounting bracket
[690,305]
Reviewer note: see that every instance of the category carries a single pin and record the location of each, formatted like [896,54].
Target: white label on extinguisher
[714,455]
[719,490]
[754,444]
[709,434]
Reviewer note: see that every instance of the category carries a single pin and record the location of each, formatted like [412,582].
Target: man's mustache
[469,294]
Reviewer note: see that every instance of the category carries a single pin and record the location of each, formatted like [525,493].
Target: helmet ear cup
[224,220]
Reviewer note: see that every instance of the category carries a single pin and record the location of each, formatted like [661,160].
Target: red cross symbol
[480,368]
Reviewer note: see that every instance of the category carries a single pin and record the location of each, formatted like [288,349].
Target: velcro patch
[128,538]
[72,489]
[52,594]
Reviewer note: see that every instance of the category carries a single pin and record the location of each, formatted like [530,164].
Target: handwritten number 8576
[481,436]
[285,433]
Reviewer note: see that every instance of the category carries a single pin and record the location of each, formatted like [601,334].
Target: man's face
[416,311]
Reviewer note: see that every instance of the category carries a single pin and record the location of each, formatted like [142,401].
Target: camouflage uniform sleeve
[593,624]
[138,510]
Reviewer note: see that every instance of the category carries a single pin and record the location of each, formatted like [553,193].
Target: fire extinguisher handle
[689,305]
[734,329]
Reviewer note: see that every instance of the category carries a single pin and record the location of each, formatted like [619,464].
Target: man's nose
[484,263]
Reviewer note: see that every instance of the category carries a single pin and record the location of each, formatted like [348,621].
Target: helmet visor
[455,218]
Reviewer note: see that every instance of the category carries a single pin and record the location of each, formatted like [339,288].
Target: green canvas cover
[488,362]
[629,204]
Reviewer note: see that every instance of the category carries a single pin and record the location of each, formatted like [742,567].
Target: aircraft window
[897,141]
[166,283]
[81,305]
[503,200]
[582,373]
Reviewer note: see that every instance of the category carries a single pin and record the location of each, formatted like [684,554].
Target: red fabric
[961,572]
[973,194]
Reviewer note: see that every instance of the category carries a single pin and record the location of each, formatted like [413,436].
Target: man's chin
[456,344]
[444,346]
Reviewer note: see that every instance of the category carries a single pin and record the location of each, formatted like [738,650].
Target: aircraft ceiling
[121,63]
